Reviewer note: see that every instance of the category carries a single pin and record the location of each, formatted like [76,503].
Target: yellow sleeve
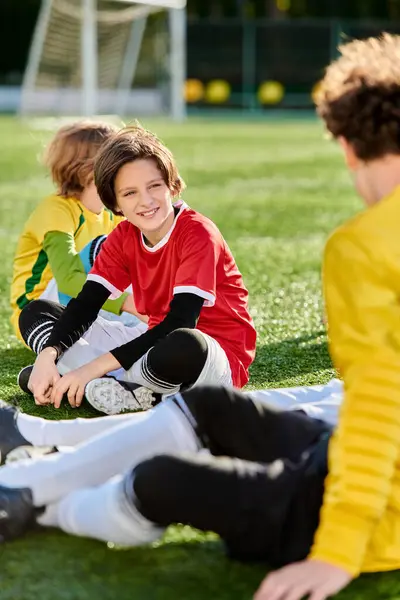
[363,312]
[53,214]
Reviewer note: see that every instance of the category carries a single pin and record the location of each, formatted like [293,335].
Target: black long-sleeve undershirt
[78,316]
[83,310]
[184,312]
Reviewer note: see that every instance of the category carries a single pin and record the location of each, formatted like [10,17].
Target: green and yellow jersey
[57,230]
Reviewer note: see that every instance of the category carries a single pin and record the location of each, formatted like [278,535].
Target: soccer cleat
[10,436]
[17,513]
[23,379]
[112,397]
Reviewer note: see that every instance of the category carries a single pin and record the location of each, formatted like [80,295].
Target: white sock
[139,373]
[105,513]
[164,429]
[44,432]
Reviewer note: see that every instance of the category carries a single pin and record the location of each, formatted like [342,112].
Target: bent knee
[207,401]
[37,318]
[156,485]
[188,338]
[37,309]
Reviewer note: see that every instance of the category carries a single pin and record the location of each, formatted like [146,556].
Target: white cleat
[109,396]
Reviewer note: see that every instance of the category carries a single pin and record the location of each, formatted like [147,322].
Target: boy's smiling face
[144,198]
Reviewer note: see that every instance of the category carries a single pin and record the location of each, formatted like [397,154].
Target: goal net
[91,57]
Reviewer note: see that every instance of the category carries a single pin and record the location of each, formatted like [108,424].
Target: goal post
[177,62]
[85,53]
[89,64]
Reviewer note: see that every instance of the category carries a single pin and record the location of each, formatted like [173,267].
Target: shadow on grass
[292,358]
[53,565]
[11,362]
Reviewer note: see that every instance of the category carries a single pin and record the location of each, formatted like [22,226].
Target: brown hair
[70,155]
[133,143]
[359,97]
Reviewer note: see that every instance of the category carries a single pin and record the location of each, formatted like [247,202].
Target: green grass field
[275,189]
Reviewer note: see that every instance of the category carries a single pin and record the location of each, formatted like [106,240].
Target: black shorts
[260,486]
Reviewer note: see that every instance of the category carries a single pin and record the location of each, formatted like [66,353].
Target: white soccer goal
[94,57]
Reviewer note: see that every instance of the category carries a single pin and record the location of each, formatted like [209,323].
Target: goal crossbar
[159,3]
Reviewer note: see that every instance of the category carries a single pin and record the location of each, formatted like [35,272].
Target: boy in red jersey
[184,279]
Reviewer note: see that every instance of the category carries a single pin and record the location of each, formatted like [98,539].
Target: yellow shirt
[360,518]
[31,271]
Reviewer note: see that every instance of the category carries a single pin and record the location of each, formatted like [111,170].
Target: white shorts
[100,338]
[105,335]
[217,370]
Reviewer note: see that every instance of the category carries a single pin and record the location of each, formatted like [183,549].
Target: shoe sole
[107,396]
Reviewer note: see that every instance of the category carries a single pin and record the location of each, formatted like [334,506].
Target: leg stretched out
[257,454]
[260,489]
[321,402]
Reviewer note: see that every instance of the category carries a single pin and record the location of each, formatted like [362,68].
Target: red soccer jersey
[194,258]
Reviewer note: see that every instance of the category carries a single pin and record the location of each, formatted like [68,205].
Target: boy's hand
[312,579]
[44,376]
[73,384]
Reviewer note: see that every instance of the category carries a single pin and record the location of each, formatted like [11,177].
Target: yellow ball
[270,92]
[316,90]
[194,90]
[218,91]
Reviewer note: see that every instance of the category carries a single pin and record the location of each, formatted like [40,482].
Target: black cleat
[17,513]
[23,379]
[10,436]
